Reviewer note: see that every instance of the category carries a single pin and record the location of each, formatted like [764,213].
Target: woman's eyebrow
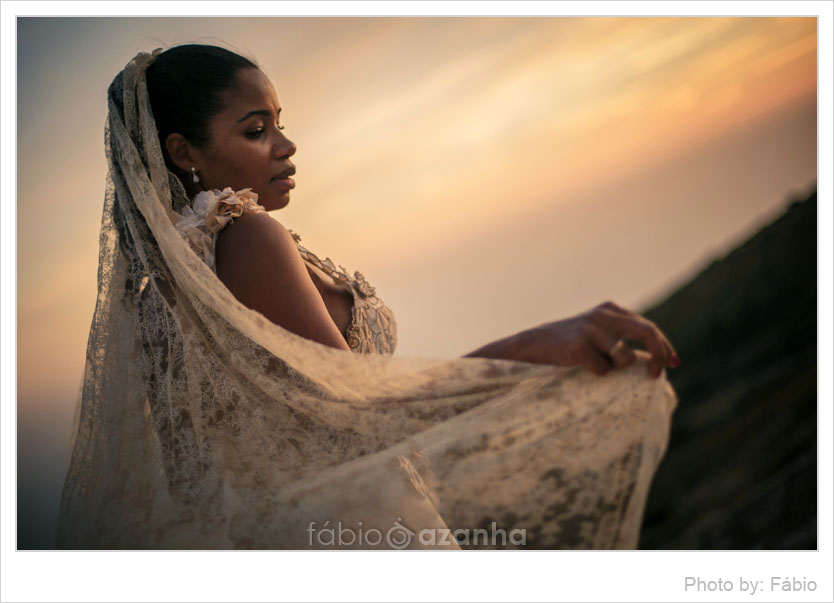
[264,112]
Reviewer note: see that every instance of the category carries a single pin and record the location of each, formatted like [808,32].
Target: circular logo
[399,536]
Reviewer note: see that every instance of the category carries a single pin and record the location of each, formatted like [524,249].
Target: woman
[231,410]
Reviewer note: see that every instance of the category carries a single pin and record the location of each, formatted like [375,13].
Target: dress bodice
[372,328]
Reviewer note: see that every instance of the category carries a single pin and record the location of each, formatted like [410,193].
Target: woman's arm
[593,339]
[259,262]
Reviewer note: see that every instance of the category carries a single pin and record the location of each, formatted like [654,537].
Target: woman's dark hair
[185,86]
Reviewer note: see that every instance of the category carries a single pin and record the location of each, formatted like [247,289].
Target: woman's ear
[180,152]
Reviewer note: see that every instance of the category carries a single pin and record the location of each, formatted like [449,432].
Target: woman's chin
[274,203]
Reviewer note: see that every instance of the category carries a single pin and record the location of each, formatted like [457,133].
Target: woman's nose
[284,147]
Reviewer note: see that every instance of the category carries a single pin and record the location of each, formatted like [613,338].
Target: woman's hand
[593,339]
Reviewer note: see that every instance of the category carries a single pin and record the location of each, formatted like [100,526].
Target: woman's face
[247,148]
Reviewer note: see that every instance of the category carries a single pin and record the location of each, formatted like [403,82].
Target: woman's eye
[257,132]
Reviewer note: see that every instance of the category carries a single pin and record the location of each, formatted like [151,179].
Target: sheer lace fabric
[201,424]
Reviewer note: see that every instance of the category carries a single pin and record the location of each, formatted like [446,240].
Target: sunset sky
[485,174]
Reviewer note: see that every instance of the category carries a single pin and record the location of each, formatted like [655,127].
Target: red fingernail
[676,362]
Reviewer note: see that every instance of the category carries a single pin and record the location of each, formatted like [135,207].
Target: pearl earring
[194,175]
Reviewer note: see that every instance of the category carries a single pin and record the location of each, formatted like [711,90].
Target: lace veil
[201,424]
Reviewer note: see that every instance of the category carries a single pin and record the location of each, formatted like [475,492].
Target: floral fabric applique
[211,212]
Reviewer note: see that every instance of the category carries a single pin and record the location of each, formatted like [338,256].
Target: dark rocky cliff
[741,468]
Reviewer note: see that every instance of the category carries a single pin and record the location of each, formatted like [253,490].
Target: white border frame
[539,575]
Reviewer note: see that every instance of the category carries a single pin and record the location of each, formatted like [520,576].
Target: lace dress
[372,329]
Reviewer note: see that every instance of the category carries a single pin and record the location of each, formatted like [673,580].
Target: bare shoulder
[254,233]
[255,252]
[258,260]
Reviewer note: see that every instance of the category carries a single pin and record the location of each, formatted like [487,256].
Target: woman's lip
[286,183]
